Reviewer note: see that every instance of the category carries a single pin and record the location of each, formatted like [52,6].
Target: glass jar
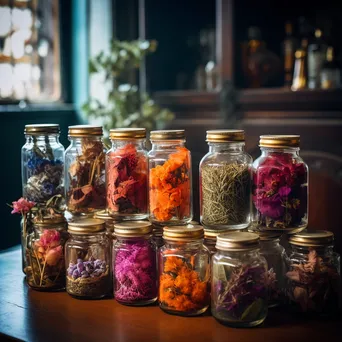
[225,181]
[170,179]
[134,264]
[314,273]
[239,280]
[85,168]
[42,163]
[45,269]
[126,174]
[184,272]
[26,228]
[280,185]
[87,259]
[109,225]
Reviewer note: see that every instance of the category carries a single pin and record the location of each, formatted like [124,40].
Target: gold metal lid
[213,233]
[48,220]
[312,239]
[127,133]
[279,141]
[226,135]
[85,130]
[174,134]
[40,129]
[267,235]
[182,233]
[104,215]
[86,226]
[132,228]
[237,241]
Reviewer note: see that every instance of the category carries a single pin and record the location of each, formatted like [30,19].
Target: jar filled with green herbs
[225,181]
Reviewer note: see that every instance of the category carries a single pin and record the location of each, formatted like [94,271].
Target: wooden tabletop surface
[29,315]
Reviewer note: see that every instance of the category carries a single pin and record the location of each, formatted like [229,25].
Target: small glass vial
[85,184]
[45,269]
[42,163]
[126,174]
[87,259]
[239,290]
[280,186]
[170,180]
[225,181]
[134,264]
[314,273]
[184,272]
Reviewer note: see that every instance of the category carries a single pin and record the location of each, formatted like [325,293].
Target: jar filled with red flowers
[126,174]
[225,181]
[85,186]
[134,264]
[239,285]
[88,260]
[184,272]
[170,179]
[45,260]
[280,185]
[314,273]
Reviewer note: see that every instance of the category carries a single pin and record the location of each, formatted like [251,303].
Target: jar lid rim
[127,133]
[280,141]
[237,241]
[133,228]
[226,135]
[86,225]
[85,130]
[172,134]
[39,129]
[312,238]
[179,233]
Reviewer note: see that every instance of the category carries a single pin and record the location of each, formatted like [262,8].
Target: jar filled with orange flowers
[170,180]
[126,174]
[184,272]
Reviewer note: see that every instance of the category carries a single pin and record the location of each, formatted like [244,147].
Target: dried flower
[22,206]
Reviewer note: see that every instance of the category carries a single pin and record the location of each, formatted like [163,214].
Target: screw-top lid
[109,220]
[213,233]
[86,226]
[237,241]
[267,235]
[312,239]
[279,141]
[226,135]
[49,220]
[127,133]
[174,134]
[132,228]
[85,130]
[41,129]
[182,233]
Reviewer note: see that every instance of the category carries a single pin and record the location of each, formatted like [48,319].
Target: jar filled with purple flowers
[280,185]
[134,264]
[239,289]
[87,260]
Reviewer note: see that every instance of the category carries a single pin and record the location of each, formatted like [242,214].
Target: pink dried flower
[22,206]
[54,255]
[50,238]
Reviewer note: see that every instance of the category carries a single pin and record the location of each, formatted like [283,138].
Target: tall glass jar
[225,181]
[170,179]
[134,264]
[85,171]
[184,272]
[87,259]
[314,273]
[126,174]
[42,163]
[45,269]
[280,185]
[239,280]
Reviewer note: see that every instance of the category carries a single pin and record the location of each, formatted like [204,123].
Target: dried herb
[170,187]
[126,181]
[314,286]
[225,191]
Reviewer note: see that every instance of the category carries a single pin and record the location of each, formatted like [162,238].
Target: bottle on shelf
[290,45]
[211,66]
[330,76]
[300,67]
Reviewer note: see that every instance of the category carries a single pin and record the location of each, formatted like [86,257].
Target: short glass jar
[280,185]
[87,259]
[184,272]
[225,181]
[45,269]
[134,264]
[85,171]
[239,290]
[42,163]
[314,273]
[126,174]
[170,179]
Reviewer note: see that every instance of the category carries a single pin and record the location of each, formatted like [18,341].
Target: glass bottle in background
[289,46]
[330,76]
[300,67]
[200,76]
[211,72]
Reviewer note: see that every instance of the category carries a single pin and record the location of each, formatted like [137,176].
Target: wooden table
[38,316]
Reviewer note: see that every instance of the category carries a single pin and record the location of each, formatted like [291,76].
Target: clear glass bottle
[289,47]
[225,181]
[85,186]
[126,174]
[134,264]
[239,290]
[184,272]
[300,72]
[331,72]
[42,163]
[170,179]
[280,185]
[45,269]
[314,273]
[87,260]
